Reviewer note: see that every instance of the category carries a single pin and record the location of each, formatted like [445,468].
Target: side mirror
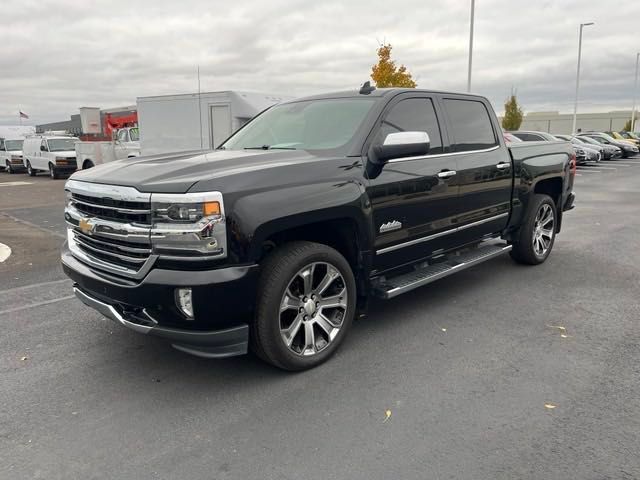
[402,145]
[43,148]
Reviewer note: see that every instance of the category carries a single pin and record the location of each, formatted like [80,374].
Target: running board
[394,286]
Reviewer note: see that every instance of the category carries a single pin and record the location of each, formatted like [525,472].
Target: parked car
[50,153]
[621,138]
[11,155]
[627,148]
[630,136]
[610,152]
[282,235]
[510,137]
[588,152]
[531,136]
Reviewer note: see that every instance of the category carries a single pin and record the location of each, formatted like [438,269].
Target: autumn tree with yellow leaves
[386,74]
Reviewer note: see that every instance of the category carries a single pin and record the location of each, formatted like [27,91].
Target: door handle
[447,174]
[503,166]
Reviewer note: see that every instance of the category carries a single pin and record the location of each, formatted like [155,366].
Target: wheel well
[341,234]
[551,187]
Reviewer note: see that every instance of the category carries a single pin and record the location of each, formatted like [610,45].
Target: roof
[380,92]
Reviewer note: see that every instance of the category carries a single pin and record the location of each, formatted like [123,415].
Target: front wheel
[306,304]
[9,169]
[535,239]
[53,173]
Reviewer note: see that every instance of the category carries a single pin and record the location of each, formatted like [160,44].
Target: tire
[87,164]
[533,244]
[53,173]
[306,333]
[9,169]
[30,171]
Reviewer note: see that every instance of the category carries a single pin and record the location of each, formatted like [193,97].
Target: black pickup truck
[279,238]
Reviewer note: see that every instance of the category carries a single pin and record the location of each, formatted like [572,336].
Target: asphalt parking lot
[499,372]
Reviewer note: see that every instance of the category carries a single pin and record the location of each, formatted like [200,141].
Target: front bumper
[211,344]
[223,301]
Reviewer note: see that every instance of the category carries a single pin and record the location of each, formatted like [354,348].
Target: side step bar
[394,286]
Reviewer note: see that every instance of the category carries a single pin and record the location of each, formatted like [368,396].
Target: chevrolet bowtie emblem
[86,226]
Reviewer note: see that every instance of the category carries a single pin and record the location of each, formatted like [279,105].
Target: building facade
[555,122]
[74,126]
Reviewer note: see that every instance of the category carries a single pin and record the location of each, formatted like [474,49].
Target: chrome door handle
[503,166]
[447,174]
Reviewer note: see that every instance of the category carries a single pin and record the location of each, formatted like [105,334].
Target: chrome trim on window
[450,154]
[439,234]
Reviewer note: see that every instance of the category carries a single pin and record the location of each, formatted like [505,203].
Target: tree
[627,126]
[512,114]
[386,74]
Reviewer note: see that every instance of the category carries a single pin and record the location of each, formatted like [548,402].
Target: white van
[55,154]
[11,155]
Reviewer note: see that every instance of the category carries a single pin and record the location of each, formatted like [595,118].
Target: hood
[179,172]
[65,153]
[14,152]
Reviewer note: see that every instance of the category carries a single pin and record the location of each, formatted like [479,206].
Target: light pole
[575,106]
[635,93]
[473,4]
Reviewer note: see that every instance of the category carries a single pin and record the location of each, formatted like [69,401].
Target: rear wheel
[306,304]
[30,170]
[534,241]
[87,164]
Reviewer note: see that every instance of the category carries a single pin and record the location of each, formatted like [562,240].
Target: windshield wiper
[269,147]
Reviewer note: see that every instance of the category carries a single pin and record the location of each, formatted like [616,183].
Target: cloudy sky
[59,55]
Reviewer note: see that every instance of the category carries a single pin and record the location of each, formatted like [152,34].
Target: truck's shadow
[135,357]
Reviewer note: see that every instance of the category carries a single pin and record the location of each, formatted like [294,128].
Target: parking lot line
[37,304]
[589,170]
[34,285]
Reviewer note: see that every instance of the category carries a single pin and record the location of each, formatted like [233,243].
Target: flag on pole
[23,115]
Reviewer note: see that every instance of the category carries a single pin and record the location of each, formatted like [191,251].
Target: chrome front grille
[113,209]
[109,227]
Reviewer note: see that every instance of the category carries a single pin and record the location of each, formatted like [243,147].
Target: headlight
[188,226]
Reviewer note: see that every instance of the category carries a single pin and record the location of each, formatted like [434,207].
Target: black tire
[30,171]
[9,169]
[524,250]
[87,164]
[53,173]
[278,271]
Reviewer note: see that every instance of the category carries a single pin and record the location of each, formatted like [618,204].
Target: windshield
[13,145]
[134,135]
[61,144]
[307,125]
[588,140]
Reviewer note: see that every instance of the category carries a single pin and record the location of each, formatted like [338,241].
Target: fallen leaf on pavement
[387,415]
[550,406]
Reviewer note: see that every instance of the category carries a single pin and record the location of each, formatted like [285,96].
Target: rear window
[470,125]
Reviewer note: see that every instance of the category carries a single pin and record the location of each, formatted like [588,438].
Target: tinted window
[470,124]
[528,137]
[412,115]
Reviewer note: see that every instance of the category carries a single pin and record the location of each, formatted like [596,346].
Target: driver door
[413,199]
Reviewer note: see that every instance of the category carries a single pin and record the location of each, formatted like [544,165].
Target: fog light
[184,302]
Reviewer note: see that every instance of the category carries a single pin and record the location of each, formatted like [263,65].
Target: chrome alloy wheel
[543,230]
[312,308]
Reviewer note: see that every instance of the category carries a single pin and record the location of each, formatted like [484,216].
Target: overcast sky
[59,55]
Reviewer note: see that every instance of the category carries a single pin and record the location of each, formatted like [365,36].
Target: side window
[415,115]
[44,144]
[1,144]
[470,124]
[122,135]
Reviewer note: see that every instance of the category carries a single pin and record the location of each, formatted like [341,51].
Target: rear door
[413,200]
[484,168]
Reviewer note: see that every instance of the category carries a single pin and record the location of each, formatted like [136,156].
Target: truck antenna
[366,88]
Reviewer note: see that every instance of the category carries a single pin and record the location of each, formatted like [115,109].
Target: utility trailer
[192,121]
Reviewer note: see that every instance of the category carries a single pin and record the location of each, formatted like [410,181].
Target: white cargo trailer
[172,123]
